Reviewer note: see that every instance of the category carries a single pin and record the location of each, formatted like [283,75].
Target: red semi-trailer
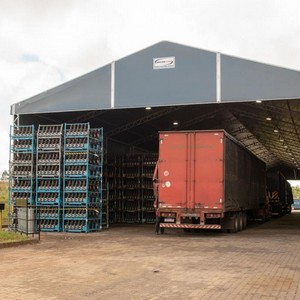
[207,180]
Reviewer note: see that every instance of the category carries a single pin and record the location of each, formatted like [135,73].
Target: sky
[44,43]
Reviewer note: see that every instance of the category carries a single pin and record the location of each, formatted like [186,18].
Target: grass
[4,199]
[8,236]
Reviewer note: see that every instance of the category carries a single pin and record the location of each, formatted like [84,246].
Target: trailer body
[206,179]
[279,193]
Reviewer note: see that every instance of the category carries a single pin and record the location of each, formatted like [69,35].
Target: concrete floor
[261,262]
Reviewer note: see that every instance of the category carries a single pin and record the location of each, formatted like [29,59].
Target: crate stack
[148,163]
[108,182]
[22,172]
[83,163]
[131,189]
[119,205]
[105,206]
[49,176]
[113,177]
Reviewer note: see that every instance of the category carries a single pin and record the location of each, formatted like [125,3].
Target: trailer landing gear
[158,229]
[161,230]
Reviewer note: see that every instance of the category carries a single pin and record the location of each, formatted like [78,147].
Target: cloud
[27,57]
[45,43]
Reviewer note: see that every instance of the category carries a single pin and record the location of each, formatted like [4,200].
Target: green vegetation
[5,176]
[9,236]
[4,199]
[296,192]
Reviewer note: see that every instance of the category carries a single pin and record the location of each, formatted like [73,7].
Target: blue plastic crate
[55,228]
[41,190]
[72,213]
[48,212]
[75,163]
[85,147]
[20,190]
[81,203]
[87,226]
[48,202]
[44,217]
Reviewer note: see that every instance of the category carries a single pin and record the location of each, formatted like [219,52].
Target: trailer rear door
[191,169]
[209,178]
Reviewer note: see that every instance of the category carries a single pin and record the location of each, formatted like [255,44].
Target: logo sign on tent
[164,63]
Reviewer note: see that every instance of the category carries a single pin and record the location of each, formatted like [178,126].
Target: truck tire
[240,221]
[235,224]
[244,220]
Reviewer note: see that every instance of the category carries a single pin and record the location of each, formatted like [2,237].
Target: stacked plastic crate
[117,190]
[22,175]
[131,191]
[113,178]
[148,163]
[49,176]
[83,163]
[109,182]
[131,188]
[105,206]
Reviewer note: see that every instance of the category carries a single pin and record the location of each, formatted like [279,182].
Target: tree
[4,176]
[296,192]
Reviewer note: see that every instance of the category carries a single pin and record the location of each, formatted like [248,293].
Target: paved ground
[262,262]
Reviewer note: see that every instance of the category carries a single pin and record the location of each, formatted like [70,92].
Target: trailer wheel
[235,224]
[240,221]
[244,220]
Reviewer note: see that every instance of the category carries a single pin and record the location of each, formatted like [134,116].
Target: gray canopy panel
[167,74]
[190,79]
[90,91]
[244,80]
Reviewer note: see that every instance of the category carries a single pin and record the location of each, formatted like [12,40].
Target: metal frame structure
[206,90]
[21,176]
[49,176]
[82,185]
